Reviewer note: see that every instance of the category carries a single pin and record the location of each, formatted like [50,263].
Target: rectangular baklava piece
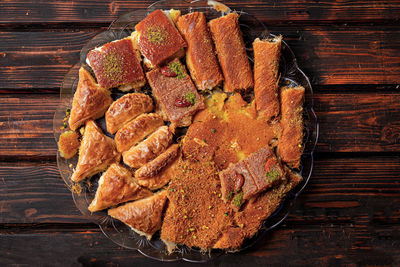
[231,53]
[200,55]
[158,40]
[117,64]
[175,94]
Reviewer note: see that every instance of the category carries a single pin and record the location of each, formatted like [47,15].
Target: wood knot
[391,133]
[30,212]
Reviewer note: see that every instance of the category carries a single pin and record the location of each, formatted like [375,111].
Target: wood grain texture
[350,211]
[360,189]
[328,55]
[363,122]
[358,122]
[290,244]
[22,11]
[35,193]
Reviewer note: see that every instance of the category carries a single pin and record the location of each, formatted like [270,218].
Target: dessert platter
[186,130]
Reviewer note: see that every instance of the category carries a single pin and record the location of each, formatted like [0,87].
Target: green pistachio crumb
[178,69]
[238,199]
[272,175]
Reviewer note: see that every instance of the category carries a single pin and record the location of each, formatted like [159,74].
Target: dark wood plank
[323,244]
[39,59]
[328,55]
[20,11]
[358,122]
[35,193]
[363,191]
[362,122]
[26,125]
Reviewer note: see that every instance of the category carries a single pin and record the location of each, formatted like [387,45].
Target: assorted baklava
[214,185]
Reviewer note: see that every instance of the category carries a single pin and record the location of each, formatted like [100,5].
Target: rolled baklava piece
[136,130]
[158,39]
[200,55]
[148,149]
[117,64]
[177,99]
[231,53]
[127,108]
[160,170]
[266,75]
[290,145]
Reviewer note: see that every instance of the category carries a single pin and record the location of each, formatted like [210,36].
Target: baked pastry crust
[135,131]
[96,153]
[167,90]
[290,145]
[159,40]
[143,216]
[116,186]
[117,64]
[155,166]
[231,53]
[127,108]
[90,101]
[162,178]
[200,54]
[68,144]
[148,149]
[266,75]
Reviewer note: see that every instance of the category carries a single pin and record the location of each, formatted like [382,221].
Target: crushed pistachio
[194,237]
[178,69]
[226,214]
[210,207]
[230,195]
[191,229]
[238,199]
[272,175]
[156,35]
[185,217]
[213,130]
[190,97]
[112,65]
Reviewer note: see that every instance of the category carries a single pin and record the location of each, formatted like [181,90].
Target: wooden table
[348,214]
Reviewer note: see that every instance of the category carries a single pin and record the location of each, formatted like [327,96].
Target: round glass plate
[119,232]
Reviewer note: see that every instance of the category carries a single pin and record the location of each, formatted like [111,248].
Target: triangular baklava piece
[90,100]
[96,153]
[116,186]
[143,216]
